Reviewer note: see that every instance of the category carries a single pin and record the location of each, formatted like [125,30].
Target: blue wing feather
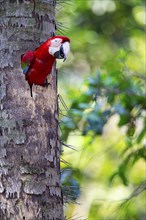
[25,69]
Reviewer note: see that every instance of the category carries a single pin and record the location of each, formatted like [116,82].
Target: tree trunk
[30,186]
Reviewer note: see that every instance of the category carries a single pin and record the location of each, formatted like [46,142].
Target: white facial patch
[52,50]
[55,46]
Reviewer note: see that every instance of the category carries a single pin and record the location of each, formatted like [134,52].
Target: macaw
[37,65]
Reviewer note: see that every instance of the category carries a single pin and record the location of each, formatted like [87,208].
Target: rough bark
[29,147]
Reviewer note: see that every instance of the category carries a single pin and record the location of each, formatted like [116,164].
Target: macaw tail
[31,90]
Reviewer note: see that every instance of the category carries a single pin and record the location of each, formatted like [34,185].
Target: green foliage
[109,93]
[103,83]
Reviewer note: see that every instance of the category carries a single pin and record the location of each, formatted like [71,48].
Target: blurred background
[102,107]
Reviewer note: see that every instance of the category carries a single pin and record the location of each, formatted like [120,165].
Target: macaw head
[59,47]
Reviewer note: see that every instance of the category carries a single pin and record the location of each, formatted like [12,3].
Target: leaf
[124,119]
[140,153]
[131,129]
[83,105]
[93,80]
[76,112]
[95,123]
[141,135]
[118,108]
[112,177]
[122,171]
[68,122]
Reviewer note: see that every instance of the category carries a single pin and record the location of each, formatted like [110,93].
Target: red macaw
[37,64]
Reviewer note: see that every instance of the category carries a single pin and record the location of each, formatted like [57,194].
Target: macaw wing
[27,59]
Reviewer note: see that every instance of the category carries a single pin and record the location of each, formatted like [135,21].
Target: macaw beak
[63,51]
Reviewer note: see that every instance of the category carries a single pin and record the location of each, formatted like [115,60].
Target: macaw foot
[46,83]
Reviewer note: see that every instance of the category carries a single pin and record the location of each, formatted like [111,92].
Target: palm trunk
[29,148]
